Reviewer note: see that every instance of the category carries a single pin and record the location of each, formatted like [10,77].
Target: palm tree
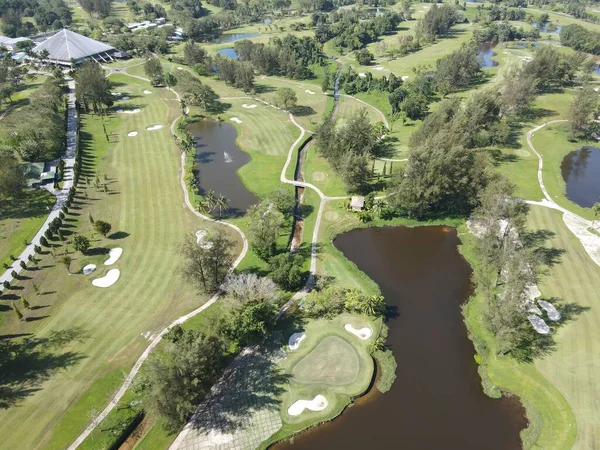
[183,107]
[378,206]
[202,206]
[221,203]
[210,199]
[596,211]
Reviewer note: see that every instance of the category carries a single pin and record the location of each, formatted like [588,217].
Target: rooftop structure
[11,43]
[357,203]
[66,47]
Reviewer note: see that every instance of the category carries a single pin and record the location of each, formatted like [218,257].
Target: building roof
[66,45]
[11,42]
[357,203]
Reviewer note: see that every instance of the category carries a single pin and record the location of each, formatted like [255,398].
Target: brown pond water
[218,159]
[581,172]
[437,401]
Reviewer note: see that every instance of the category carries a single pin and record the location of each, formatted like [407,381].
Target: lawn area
[552,143]
[319,172]
[551,420]
[19,223]
[330,362]
[102,329]
[574,364]
[24,91]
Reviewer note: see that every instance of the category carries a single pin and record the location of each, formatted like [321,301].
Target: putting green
[333,361]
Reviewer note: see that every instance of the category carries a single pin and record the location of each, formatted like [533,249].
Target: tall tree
[265,226]
[92,87]
[582,114]
[154,70]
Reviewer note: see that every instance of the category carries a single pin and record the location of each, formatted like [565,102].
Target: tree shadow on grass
[300,110]
[251,383]
[26,363]
[534,345]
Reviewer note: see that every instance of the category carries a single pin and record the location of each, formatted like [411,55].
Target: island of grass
[330,367]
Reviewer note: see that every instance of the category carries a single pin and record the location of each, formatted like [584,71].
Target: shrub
[37,248]
[22,264]
[25,303]
[81,243]
[44,241]
[102,227]
[61,215]
[13,274]
[286,271]
[249,324]
[388,366]
[17,312]
[6,284]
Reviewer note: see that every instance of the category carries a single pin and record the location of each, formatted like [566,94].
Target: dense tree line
[140,44]
[457,70]
[92,88]
[350,149]
[47,14]
[438,20]
[583,112]
[36,132]
[289,56]
[347,31]
[580,39]
[503,32]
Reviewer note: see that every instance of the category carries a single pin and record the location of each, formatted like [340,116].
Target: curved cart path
[574,222]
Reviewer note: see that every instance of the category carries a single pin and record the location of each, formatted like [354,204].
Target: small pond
[547,30]
[217,160]
[229,52]
[437,401]
[232,37]
[581,172]
[486,53]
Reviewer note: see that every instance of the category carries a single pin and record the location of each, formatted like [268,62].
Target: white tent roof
[67,44]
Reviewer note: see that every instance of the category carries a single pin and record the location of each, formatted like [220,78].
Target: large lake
[217,160]
[437,401]
[581,172]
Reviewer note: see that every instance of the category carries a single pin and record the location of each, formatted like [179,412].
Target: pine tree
[35,288]
[91,220]
[17,312]
[25,303]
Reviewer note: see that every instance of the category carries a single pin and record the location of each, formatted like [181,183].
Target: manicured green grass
[573,365]
[330,362]
[156,438]
[319,172]
[20,223]
[553,145]
[551,420]
[144,204]
[24,91]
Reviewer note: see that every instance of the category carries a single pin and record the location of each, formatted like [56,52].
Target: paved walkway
[574,222]
[61,195]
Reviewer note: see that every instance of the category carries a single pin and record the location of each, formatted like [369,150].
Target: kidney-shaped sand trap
[147,92]
[132,133]
[89,269]
[363,334]
[295,339]
[249,106]
[128,111]
[308,91]
[319,403]
[236,120]
[113,256]
[154,127]
[107,280]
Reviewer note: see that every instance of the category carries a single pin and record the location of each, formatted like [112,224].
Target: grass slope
[145,205]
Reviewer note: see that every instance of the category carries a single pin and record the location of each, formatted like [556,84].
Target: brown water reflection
[437,401]
[218,159]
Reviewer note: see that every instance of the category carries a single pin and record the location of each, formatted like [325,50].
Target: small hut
[357,203]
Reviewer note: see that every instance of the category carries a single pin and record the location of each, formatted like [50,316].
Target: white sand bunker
[308,91]
[378,68]
[108,280]
[538,324]
[125,98]
[132,133]
[180,68]
[154,127]
[128,111]
[236,120]
[552,312]
[362,75]
[200,239]
[295,339]
[147,92]
[319,403]
[405,77]
[116,94]
[89,269]
[113,256]
[249,106]
[363,334]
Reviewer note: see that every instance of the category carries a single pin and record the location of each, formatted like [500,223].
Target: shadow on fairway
[26,363]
